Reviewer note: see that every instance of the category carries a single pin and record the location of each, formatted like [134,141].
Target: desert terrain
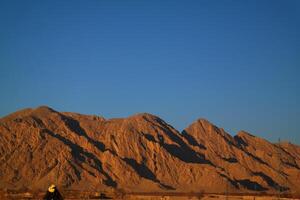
[141,154]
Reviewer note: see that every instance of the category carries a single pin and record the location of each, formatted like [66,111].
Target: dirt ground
[70,195]
[208,197]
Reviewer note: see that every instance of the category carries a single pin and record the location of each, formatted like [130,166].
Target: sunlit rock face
[141,153]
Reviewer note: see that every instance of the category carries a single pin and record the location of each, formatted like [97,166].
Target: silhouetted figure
[53,194]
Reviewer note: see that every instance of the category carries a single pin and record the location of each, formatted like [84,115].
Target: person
[53,193]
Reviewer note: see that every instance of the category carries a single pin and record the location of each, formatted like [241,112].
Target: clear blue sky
[236,63]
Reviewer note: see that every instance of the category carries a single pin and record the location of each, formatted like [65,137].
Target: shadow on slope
[143,171]
[232,182]
[79,154]
[75,127]
[271,182]
[191,140]
[182,151]
[230,160]
[251,185]
[246,183]
[241,143]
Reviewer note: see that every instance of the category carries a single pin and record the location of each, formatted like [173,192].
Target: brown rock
[141,153]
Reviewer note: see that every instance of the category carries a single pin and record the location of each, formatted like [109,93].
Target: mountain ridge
[138,153]
[141,114]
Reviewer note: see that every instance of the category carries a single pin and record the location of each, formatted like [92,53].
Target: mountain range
[140,153]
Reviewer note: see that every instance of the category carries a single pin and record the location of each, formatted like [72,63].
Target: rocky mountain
[141,153]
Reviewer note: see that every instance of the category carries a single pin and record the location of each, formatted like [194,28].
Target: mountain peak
[202,124]
[146,116]
[203,121]
[44,109]
[243,133]
[90,152]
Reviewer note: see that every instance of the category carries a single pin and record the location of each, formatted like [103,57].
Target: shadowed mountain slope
[141,153]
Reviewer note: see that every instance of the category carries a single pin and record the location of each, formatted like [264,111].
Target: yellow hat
[51,188]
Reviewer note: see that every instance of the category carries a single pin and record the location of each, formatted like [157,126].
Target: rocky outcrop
[141,153]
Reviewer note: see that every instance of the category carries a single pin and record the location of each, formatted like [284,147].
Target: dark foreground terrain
[76,195]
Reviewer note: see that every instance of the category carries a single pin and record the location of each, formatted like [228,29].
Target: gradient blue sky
[236,63]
